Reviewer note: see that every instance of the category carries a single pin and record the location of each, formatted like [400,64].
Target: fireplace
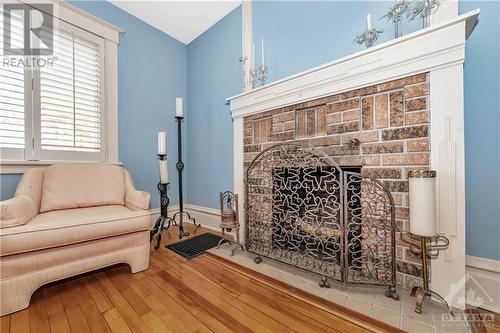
[403,101]
[305,201]
[380,131]
[305,210]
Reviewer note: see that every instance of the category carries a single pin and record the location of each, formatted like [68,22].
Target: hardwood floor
[205,294]
[490,321]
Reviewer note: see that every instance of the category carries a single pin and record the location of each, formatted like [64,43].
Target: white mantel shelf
[423,50]
[438,50]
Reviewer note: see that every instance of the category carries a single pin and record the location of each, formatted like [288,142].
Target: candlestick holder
[159,226]
[368,37]
[254,74]
[262,74]
[181,214]
[245,75]
[395,14]
[424,9]
[427,248]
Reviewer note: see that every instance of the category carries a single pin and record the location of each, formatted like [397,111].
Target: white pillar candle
[162,143]
[368,22]
[262,47]
[422,203]
[163,172]
[178,107]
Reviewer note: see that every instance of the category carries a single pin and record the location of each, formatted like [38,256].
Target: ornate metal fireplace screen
[304,210]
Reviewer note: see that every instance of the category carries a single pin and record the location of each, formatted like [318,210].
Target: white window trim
[111,34]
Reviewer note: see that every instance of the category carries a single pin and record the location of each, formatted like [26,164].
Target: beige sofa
[69,219]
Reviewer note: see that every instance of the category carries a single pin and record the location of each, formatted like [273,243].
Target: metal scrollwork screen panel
[370,231]
[294,208]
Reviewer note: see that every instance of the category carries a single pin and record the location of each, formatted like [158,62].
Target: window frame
[16,160]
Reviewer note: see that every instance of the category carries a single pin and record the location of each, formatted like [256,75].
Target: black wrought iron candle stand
[163,218]
[180,167]
[164,221]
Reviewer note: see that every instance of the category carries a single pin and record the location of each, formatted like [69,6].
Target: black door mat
[195,246]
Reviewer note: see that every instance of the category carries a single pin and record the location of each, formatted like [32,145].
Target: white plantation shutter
[55,111]
[70,97]
[12,108]
[12,92]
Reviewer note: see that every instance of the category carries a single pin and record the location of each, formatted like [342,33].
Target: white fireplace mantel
[439,50]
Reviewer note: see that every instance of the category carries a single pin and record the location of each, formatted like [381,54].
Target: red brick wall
[391,121]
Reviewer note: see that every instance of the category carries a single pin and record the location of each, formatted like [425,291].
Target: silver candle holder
[424,9]
[262,74]
[243,59]
[368,37]
[395,14]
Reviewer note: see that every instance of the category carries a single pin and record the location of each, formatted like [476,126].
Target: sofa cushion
[74,186]
[71,226]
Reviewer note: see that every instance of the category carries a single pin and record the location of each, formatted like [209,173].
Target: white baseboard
[206,216]
[486,273]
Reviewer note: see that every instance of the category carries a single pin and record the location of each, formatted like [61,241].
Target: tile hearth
[367,300]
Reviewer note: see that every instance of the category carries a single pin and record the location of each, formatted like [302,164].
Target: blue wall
[299,35]
[482,139]
[214,73]
[8,184]
[151,73]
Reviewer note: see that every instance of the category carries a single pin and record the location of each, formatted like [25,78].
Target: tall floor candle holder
[423,224]
[164,221]
[180,167]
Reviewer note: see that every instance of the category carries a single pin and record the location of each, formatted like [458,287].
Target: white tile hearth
[367,300]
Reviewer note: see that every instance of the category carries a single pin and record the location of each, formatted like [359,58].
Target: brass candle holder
[428,248]
[423,224]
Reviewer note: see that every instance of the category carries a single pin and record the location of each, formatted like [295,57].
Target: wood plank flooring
[205,294]
[485,325]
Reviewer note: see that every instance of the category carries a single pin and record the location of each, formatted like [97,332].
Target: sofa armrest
[135,199]
[17,211]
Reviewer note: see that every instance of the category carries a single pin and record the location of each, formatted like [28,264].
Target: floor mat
[195,246]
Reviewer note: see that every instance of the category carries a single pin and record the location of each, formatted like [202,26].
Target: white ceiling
[183,19]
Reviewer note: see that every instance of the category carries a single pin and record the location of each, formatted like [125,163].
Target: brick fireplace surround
[391,122]
[403,100]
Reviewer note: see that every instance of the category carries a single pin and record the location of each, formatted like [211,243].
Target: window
[56,110]
[12,95]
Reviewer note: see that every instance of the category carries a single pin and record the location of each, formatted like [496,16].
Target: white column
[239,179]
[447,158]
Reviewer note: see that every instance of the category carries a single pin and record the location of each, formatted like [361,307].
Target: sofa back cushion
[73,186]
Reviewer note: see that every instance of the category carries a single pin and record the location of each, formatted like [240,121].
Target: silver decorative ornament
[367,37]
[424,9]
[395,14]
